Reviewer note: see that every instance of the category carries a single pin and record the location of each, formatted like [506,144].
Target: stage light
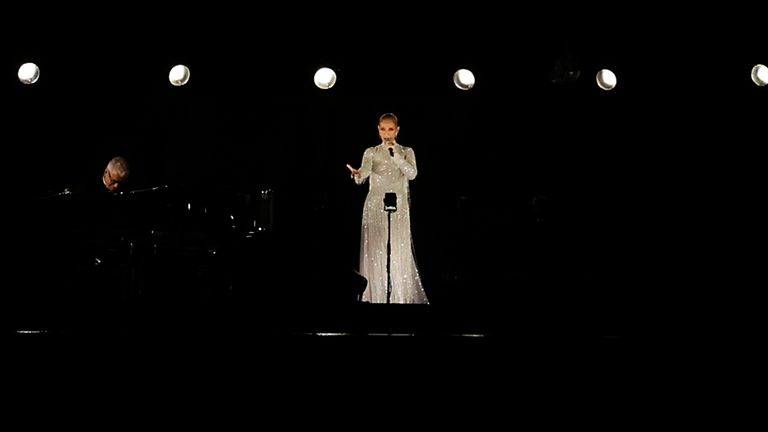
[179,75]
[760,75]
[565,71]
[606,79]
[29,73]
[325,78]
[464,79]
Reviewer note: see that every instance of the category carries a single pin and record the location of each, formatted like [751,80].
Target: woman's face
[388,131]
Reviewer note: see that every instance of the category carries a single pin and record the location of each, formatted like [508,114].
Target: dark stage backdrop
[534,191]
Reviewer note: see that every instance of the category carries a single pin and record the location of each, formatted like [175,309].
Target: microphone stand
[390,205]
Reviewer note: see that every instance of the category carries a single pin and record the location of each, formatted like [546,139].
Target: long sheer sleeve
[407,163]
[365,166]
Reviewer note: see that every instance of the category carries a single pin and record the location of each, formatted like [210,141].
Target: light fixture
[565,71]
[760,75]
[179,75]
[325,78]
[464,79]
[606,79]
[29,73]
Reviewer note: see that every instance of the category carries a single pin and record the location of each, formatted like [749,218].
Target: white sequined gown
[388,174]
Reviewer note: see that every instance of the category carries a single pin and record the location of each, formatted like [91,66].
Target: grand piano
[83,257]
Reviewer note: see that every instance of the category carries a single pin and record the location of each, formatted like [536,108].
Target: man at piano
[116,173]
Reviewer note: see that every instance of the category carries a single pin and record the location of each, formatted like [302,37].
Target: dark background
[538,196]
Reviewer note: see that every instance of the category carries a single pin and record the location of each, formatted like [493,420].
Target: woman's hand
[355,172]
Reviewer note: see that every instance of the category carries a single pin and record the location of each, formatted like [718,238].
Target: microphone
[392,152]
